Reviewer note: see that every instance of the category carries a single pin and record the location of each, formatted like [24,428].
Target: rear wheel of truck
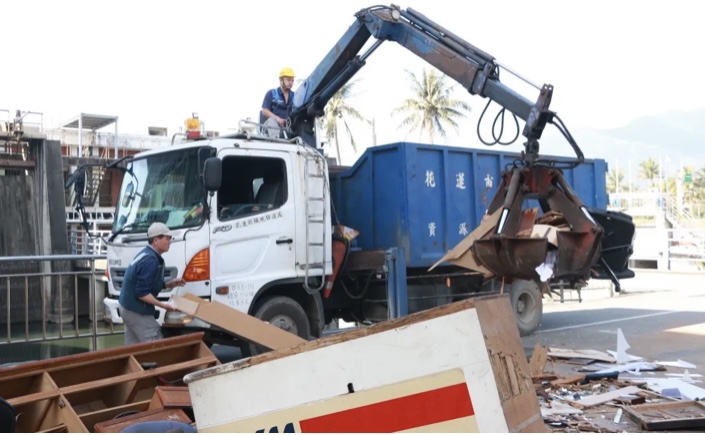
[282,312]
[527,305]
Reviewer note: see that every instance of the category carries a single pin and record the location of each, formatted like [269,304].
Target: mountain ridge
[675,138]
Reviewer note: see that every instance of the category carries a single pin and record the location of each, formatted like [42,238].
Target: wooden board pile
[587,391]
[106,390]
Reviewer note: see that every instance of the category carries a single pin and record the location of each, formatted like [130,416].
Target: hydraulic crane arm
[505,252]
[474,69]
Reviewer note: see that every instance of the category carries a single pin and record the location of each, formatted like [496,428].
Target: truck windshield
[160,188]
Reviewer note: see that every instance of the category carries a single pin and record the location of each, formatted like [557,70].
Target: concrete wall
[33,222]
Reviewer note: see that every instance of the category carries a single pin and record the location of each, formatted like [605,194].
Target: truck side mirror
[128,195]
[212,174]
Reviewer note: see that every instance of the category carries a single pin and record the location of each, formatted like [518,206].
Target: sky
[153,63]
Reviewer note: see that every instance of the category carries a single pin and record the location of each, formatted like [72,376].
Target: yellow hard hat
[286,72]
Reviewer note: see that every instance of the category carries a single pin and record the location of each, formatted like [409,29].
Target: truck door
[252,238]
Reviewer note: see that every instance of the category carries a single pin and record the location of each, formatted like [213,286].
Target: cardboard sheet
[236,322]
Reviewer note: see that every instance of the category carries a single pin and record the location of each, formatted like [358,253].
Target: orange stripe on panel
[421,409]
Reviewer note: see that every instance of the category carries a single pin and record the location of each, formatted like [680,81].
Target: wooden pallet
[74,393]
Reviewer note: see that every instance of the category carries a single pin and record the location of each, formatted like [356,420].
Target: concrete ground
[661,314]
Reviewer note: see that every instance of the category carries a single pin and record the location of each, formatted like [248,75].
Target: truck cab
[250,222]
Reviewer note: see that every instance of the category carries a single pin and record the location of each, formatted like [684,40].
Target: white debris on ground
[588,390]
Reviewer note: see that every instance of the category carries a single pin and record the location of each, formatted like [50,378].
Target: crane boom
[504,252]
[474,69]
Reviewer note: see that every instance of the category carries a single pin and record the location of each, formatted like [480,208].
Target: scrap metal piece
[507,254]
[512,256]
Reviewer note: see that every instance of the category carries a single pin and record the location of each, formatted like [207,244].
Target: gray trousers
[140,328]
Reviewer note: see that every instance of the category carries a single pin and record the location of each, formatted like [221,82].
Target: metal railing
[81,243]
[649,204]
[27,120]
[677,249]
[102,144]
[44,297]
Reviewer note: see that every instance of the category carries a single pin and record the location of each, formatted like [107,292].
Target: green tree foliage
[698,185]
[339,110]
[649,170]
[431,108]
[615,178]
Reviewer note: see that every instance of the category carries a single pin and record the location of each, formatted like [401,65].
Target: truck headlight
[177,317]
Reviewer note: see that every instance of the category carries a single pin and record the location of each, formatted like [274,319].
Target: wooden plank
[20,386]
[558,408]
[582,353]
[85,407]
[544,377]
[539,357]
[170,397]
[61,412]
[152,373]
[30,415]
[61,428]
[92,418]
[131,387]
[89,372]
[599,399]
[118,424]
[236,322]
[194,365]
[509,365]
[568,381]
[101,383]
[630,400]
[35,397]
[668,416]
[100,356]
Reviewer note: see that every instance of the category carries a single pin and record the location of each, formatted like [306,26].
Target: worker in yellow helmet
[278,102]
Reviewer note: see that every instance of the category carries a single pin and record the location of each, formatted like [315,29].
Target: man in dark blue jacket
[144,279]
[278,103]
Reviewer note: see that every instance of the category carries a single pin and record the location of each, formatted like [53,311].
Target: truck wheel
[527,305]
[284,313]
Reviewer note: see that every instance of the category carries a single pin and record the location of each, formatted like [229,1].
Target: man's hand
[281,121]
[168,306]
[178,282]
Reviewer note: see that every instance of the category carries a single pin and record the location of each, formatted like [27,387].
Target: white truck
[253,215]
[263,227]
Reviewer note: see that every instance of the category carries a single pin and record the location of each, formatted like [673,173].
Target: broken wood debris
[668,416]
[538,361]
[583,353]
[604,397]
[609,392]
[630,399]
[78,393]
[575,379]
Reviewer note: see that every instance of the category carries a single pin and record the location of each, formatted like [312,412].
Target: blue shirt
[144,275]
[275,103]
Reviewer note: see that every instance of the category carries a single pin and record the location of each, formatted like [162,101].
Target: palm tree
[670,186]
[338,109]
[431,105]
[615,178]
[649,170]
[699,185]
